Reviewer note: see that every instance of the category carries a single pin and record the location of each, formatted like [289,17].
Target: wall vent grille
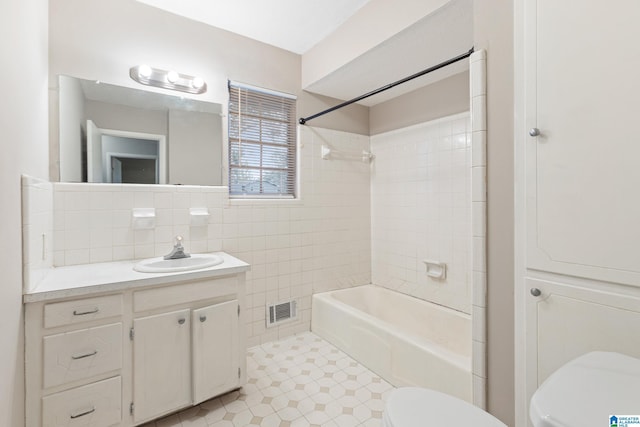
[282,312]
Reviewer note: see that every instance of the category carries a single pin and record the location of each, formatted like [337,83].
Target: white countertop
[87,279]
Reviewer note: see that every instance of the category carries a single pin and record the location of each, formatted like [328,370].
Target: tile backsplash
[37,230]
[94,222]
[316,243]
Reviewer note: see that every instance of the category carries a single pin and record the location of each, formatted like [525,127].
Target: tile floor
[299,381]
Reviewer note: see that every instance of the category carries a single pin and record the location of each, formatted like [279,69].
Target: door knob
[182,320]
[536,292]
[534,132]
[203,318]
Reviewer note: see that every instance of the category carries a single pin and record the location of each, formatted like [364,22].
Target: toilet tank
[587,391]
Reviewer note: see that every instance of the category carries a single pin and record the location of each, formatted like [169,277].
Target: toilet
[422,407]
[584,392]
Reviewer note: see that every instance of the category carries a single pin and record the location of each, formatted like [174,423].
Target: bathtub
[405,340]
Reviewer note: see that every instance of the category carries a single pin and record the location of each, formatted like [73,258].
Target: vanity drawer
[152,299]
[96,405]
[82,310]
[81,354]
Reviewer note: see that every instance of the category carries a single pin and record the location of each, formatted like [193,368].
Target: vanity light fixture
[167,79]
[172,77]
[197,82]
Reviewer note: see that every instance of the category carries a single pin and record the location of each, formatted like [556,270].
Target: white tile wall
[353,220]
[295,247]
[477,75]
[421,209]
[93,222]
[37,230]
[318,243]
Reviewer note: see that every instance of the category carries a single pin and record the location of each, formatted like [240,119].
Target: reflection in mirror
[115,134]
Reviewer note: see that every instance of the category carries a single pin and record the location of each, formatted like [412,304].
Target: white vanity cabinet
[125,357]
[194,328]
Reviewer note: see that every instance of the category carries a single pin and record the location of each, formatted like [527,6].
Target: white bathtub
[405,340]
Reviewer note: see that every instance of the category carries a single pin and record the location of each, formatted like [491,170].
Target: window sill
[250,201]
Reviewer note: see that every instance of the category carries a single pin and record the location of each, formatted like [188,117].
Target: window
[262,142]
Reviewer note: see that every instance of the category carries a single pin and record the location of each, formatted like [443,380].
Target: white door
[161,364]
[94,152]
[116,170]
[122,144]
[215,350]
[583,172]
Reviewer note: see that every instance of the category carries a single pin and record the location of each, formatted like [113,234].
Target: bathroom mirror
[116,134]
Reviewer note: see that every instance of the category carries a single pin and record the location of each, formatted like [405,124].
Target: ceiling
[293,25]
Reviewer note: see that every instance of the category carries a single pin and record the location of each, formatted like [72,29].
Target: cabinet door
[581,92]
[161,364]
[215,350]
[565,321]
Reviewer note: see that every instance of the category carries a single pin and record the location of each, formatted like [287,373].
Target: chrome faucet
[178,250]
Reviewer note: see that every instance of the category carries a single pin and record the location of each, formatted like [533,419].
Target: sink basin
[161,265]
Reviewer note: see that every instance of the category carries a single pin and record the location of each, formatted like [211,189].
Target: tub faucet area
[178,250]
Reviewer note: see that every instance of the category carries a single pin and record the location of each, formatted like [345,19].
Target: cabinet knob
[534,132]
[182,320]
[536,292]
[203,318]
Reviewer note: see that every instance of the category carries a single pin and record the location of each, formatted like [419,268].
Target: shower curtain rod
[304,120]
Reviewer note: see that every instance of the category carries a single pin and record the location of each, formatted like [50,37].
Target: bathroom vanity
[108,346]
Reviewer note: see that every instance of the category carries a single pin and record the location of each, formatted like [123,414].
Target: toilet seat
[587,391]
[420,407]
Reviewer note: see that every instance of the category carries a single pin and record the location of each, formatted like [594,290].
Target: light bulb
[144,71]
[172,76]
[197,82]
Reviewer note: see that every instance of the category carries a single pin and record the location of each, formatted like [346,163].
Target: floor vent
[281,312]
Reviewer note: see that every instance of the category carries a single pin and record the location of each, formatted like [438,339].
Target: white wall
[437,100]
[361,33]
[85,43]
[493,31]
[121,117]
[23,120]
[72,105]
[194,157]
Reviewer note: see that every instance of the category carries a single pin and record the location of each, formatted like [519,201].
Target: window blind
[262,142]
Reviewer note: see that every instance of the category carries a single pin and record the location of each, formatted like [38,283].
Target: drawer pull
[82,356]
[82,414]
[182,320]
[203,318]
[82,313]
